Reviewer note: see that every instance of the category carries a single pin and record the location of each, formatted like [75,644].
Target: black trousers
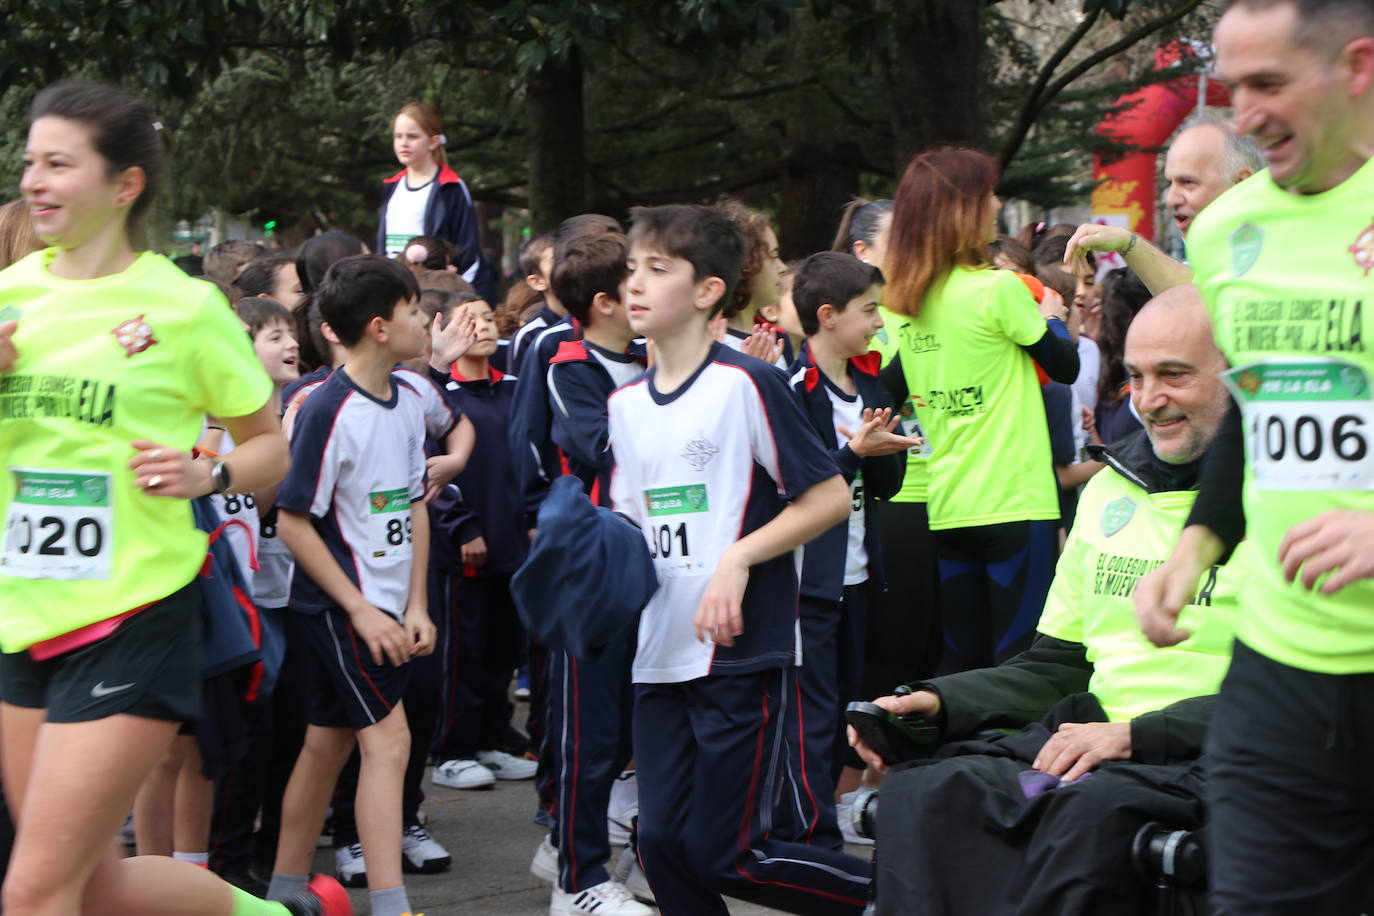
[1291,764]
[957,835]
[903,642]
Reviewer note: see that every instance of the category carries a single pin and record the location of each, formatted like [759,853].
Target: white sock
[195,858]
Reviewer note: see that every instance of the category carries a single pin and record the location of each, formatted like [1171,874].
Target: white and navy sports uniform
[699,468]
[357,465]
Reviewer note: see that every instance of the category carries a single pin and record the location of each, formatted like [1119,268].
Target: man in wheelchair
[1051,762]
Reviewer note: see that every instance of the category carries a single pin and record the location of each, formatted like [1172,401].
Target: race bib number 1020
[1309,423]
[60,525]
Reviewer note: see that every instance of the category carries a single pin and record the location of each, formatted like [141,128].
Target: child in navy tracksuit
[836,380]
[590,701]
[725,476]
[482,540]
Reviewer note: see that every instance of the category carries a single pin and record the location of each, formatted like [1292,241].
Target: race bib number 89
[60,525]
[1309,424]
[388,523]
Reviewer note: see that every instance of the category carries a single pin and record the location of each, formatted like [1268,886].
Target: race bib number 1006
[60,525]
[1308,423]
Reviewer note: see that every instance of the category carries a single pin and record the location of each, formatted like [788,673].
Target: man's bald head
[1175,374]
[1205,159]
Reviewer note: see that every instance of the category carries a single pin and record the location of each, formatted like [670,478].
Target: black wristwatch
[219,476]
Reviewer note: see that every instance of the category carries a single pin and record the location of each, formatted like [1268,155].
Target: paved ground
[492,839]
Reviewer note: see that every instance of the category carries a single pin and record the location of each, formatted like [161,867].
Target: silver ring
[155,481]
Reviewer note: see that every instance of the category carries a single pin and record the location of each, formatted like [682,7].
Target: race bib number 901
[675,515]
[60,525]
[1309,424]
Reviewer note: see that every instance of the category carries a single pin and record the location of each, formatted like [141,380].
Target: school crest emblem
[1363,249]
[1117,514]
[134,335]
[699,451]
[1246,243]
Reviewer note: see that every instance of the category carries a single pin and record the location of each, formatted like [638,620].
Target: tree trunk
[932,75]
[557,143]
[816,185]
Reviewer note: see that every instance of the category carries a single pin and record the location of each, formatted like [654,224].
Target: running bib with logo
[1307,423]
[60,525]
[673,514]
[910,426]
[388,530]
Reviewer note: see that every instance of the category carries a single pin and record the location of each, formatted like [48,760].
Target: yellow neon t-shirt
[979,401]
[1285,278]
[143,354]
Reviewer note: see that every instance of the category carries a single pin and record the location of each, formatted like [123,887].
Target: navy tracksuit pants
[479,646]
[709,755]
[833,635]
[589,742]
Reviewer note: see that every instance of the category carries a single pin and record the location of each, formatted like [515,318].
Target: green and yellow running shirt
[978,400]
[1285,277]
[1120,533]
[916,482]
[143,354]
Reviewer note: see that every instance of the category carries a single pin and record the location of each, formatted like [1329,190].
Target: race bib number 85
[1309,424]
[60,525]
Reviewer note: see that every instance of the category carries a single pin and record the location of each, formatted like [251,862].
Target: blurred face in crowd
[1195,170]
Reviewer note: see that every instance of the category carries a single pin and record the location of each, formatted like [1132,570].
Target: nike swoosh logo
[100,690]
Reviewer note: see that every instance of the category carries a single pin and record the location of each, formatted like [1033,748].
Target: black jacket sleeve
[1014,694]
[1174,733]
[1220,505]
[1056,353]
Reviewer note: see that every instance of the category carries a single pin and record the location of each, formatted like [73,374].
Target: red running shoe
[323,896]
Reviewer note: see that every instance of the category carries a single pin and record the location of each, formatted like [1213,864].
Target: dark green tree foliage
[280,108]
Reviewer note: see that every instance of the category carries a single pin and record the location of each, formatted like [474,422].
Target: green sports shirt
[1120,533]
[142,354]
[1285,278]
[978,400]
[916,481]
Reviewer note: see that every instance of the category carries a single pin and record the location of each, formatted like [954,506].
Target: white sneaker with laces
[349,866]
[421,853]
[462,774]
[844,813]
[544,865]
[628,873]
[608,898]
[507,766]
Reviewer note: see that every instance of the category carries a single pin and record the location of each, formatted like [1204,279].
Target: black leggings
[903,642]
[993,583]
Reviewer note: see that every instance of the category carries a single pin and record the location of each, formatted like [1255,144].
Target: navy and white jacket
[482,501]
[580,377]
[529,332]
[534,457]
[824,561]
[451,216]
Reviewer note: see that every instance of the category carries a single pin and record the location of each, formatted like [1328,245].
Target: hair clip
[442,139]
[157,125]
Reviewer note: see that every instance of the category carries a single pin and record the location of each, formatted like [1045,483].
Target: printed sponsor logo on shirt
[48,489]
[1246,243]
[677,500]
[134,335]
[389,500]
[10,313]
[1299,381]
[1117,514]
[1363,249]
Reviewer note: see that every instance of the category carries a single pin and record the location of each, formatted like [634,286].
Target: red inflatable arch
[1125,193]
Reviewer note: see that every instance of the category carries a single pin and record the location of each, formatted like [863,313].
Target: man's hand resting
[1078,747]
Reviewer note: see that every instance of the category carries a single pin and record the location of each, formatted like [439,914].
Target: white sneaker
[349,866]
[421,853]
[462,774]
[544,865]
[623,808]
[606,899]
[506,766]
[844,813]
[628,873]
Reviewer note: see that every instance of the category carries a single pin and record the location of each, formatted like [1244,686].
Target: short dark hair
[1323,23]
[701,236]
[362,287]
[829,278]
[224,261]
[258,312]
[124,133]
[587,265]
[318,253]
[532,251]
[259,277]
